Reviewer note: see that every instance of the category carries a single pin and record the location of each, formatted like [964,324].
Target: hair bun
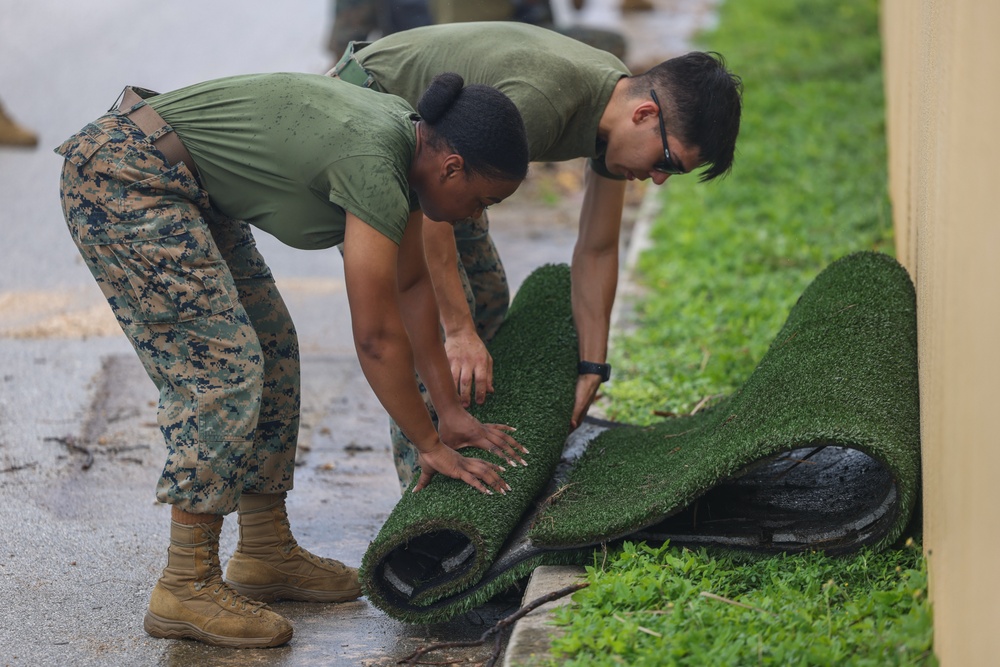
[440,96]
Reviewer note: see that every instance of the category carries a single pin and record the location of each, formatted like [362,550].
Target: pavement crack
[111,403]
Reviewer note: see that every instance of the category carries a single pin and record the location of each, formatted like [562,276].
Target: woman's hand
[470,364]
[460,429]
[480,475]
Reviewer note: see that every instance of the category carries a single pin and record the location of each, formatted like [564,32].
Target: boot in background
[12,134]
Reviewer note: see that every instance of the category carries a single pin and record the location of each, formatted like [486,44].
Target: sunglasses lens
[668,168]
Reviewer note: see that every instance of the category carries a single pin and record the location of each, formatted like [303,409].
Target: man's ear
[451,166]
[643,111]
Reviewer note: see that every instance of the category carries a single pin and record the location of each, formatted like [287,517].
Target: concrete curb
[639,241]
[531,638]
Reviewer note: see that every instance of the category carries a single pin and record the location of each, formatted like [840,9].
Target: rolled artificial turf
[440,542]
[819,449]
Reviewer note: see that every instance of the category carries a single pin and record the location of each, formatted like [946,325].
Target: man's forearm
[595,263]
[594,281]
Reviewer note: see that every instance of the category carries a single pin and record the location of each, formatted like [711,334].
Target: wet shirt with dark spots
[292,153]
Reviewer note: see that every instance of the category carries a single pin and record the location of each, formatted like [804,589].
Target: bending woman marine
[160,195]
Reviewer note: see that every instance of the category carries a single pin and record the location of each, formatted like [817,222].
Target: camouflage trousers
[488,297]
[357,20]
[200,307]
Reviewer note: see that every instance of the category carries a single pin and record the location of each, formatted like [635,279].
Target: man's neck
[616,107]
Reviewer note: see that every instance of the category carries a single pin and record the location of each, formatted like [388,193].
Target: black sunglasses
[668,166]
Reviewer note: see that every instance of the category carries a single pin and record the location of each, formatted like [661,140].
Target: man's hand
[461,430]
[471,365]
[586,392]
[476,473]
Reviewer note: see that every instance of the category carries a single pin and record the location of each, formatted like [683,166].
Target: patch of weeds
[671,606]
[809,185]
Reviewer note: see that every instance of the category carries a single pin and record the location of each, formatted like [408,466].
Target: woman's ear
[452,165]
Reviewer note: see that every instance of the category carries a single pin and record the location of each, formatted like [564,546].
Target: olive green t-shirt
[292,153]
[560,85]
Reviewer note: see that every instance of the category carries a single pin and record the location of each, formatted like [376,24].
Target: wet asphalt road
[82,539]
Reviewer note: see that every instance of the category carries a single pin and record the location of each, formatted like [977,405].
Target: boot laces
[236,599]
[321,560]
[223,591]
[290,544]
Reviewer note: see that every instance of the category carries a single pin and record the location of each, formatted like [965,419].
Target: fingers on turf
[510,447]
[505,430]
[481,474]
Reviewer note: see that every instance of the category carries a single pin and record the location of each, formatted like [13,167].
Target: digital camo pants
[488,297]
[201,309]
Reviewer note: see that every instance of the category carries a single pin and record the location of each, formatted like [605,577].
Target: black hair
[702,103]
[479,123]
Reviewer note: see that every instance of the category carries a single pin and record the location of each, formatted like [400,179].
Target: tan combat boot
[269,564]
[191,601]
[12,134]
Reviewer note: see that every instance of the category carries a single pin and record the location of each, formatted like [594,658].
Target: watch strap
[594,368]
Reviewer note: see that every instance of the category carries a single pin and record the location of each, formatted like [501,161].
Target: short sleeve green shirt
[293,153]
[560,85]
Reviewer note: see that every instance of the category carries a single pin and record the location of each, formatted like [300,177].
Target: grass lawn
[728,261]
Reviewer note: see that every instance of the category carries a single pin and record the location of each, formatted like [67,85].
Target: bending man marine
[576,101]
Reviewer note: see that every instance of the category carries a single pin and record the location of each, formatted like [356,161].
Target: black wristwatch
[594,368]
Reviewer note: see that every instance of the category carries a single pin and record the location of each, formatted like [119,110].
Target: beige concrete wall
[942,60]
